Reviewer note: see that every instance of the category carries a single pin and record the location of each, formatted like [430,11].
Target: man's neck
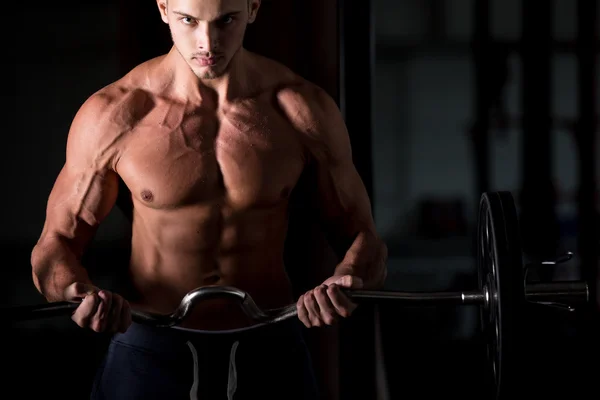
[232,84]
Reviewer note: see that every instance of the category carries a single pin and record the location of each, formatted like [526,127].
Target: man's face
[207,33]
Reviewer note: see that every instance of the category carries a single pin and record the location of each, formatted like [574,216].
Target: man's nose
[207,37]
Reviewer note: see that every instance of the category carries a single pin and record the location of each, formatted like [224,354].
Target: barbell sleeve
[568,291]
[576,291]
[419,298]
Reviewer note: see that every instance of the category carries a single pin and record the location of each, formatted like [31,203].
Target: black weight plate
[501,278]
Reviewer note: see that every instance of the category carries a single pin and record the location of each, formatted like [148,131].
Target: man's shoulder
[291,87]
[117,105]
[307,105]
[103,122]
[309,108]
[305,96]
[122,101]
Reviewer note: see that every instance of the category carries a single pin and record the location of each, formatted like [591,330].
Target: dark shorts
[268,362]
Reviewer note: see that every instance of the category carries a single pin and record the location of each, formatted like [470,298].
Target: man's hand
[326,303]
[100,310]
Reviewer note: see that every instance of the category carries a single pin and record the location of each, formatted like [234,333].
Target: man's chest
[250,159]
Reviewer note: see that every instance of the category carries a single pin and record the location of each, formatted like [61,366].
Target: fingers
[119,316]
[102,318]
[309,310]
[323,306]
[303,312]
[103,312]
[343,305]
[84,314]
[328,313]
[313,309]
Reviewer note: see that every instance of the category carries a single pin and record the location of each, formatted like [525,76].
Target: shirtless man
[211,140]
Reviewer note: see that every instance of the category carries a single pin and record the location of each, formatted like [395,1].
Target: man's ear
[253,6]
[162,8]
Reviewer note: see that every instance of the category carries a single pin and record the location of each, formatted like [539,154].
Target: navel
[147,195]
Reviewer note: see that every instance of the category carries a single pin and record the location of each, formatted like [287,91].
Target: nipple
[147,195]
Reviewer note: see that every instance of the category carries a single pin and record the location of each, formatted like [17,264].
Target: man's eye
[227,20]
[187,20]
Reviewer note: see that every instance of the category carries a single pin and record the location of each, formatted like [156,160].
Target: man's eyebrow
[224,14]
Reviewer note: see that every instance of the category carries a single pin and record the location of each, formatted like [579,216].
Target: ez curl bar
[502,293]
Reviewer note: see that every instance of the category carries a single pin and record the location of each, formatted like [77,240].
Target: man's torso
[210,186]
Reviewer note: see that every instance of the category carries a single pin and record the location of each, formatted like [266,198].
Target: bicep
[342,196]
[85,189]
[343,202]
[79,201]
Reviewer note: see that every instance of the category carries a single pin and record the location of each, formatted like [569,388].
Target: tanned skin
[211,141]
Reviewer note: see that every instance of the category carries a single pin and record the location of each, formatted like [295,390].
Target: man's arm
[82,196]
[342,199]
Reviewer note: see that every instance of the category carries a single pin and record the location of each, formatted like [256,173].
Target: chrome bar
[554,292]
[419,298]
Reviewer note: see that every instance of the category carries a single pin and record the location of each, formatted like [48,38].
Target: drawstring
[194,389]
[231,381]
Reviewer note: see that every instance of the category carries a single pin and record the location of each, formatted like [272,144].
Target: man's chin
[208,73]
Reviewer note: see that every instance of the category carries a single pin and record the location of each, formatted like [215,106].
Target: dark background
[444,100]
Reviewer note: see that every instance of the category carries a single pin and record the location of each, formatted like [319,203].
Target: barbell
[501,295]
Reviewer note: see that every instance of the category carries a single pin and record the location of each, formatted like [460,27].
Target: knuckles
[90,315]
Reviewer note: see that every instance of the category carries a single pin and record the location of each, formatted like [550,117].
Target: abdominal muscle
[176,251]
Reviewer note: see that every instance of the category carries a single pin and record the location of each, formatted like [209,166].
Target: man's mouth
[206,61]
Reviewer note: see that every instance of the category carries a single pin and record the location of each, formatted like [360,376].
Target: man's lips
[206,61]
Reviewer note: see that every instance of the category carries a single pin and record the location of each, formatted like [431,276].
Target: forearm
[366,258]
[54,267]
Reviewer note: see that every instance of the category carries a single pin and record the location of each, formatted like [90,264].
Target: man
[211,141]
